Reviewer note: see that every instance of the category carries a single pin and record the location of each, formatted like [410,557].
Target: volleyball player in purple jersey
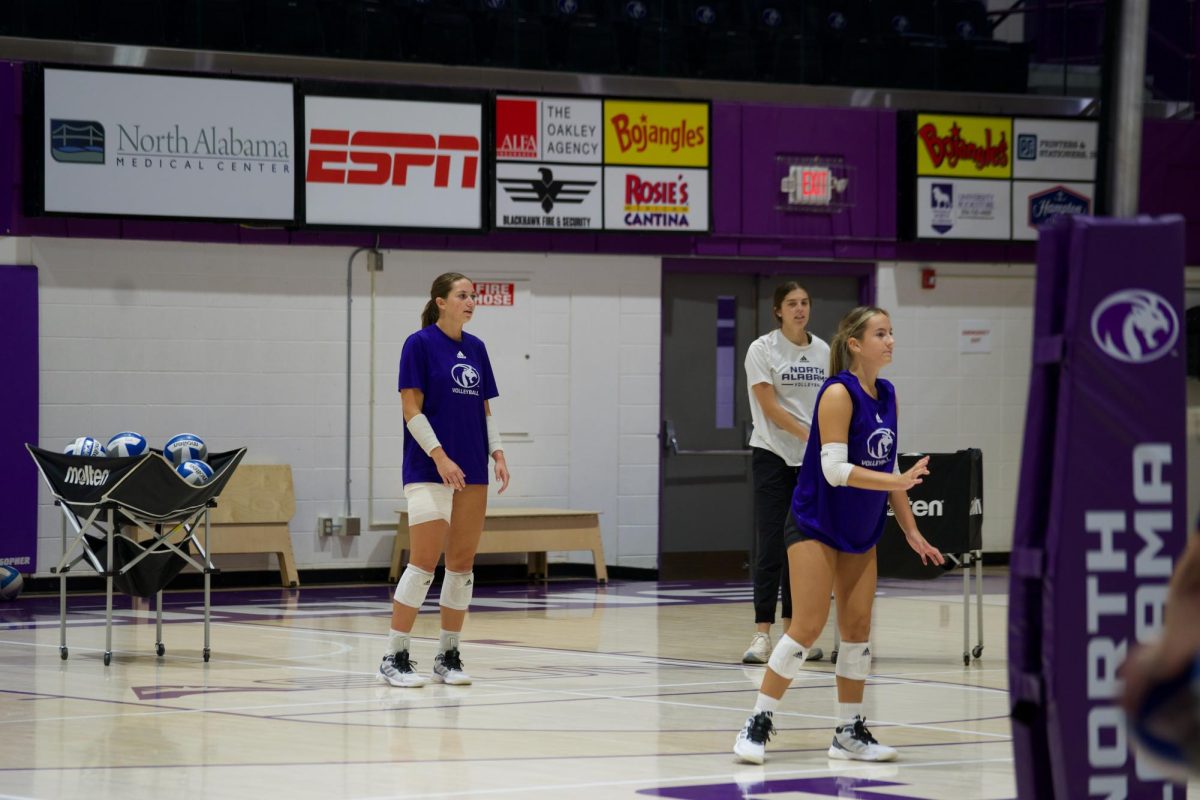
[445,383]
[847,479]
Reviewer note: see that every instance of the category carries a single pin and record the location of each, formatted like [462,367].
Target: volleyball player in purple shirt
[846,481]
[445,382]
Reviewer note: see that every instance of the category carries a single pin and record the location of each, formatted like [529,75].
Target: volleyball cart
[136,522]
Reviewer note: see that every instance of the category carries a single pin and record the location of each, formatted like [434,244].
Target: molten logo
[1136,326]
[86,476]
[383,157]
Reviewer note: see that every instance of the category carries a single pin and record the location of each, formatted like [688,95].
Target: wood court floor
[629,690]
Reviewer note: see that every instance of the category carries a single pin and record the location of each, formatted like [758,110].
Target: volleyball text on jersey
[383,156]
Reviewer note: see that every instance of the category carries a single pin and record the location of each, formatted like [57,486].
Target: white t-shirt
[796,373]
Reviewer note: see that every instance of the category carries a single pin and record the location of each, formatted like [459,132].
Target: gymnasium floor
[629,690]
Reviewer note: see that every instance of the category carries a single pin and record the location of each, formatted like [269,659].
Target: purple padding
[19,412]
[1100,511]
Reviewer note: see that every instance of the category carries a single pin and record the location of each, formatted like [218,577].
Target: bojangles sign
[967,147]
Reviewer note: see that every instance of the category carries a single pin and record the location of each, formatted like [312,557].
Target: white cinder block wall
[950,400]
[246,345]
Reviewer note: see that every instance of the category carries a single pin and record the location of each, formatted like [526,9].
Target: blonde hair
[442,286]
[852,326]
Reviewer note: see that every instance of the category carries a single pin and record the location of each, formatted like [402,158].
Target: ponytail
[852,326]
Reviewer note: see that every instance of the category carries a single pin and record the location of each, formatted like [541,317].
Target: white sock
[398,641]
[846,712]
[448,640]
[766,703]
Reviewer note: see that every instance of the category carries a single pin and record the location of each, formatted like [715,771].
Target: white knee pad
[854,661]
[413,586]
[456,590]
[788,657]
[428,502]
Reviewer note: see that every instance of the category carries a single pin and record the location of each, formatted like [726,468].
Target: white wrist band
[835,463]
[423,433]
[493,434]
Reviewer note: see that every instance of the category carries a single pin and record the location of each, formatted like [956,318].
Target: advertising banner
[650,199]
[549,196]
[1035,203]
[1100,509]
[1055,149]
[167,146]
[393,163]
[557,129]
[656,133]
[964,146]
[953,208]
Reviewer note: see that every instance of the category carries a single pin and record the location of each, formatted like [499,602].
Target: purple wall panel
[1170,174]
[726,155]
[19,410]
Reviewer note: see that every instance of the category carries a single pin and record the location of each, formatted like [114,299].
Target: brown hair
[441,287]
[852,326]
[781,293]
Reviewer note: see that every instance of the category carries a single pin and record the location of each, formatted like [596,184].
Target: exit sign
[814,185]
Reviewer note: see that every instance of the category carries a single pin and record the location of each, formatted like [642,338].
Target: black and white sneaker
[399,670]
[448,668]
[751,743]
[854,742]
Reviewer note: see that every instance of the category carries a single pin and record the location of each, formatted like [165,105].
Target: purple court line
[464,760]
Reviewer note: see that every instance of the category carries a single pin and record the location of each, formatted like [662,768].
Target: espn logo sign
[375,158]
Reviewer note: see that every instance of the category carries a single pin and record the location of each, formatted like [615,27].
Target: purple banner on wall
[19,410]
[1100,509]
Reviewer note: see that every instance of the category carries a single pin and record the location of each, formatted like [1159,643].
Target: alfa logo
[546,189]
[77,141]
[465,375]
[1136,326]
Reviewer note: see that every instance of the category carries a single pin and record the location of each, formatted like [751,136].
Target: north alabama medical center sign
[590,164]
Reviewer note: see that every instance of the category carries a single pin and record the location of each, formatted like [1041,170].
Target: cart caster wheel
[107,659]
[966,659]
[833,657]
[62,653]
[977,651]
[206,655]
[160,649]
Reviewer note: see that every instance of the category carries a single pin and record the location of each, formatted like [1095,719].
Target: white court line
[724,777]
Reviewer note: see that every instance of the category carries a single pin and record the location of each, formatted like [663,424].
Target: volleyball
[85,446]
[126,443]
[185,447]
[195,472]
[11,583]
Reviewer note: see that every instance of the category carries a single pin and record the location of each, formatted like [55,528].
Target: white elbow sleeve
[422,431]
[493,433]
[835,463]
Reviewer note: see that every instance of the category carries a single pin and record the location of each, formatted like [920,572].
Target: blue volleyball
[195,472]
[11,582]
[126,443]
[185,447]
[85,446]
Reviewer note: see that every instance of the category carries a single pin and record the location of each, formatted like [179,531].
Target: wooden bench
[535,531]
[252,516]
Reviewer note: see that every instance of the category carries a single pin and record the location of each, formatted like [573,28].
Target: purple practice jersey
[456,378]
[843,517]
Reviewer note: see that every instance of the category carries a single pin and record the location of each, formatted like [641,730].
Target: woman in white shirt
[784,371]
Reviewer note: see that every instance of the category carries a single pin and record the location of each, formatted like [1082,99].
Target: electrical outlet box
[324,526]
[350,526]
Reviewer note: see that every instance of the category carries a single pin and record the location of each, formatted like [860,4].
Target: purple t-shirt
[456,378]
[844,517]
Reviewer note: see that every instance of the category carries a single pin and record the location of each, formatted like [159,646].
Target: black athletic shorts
[792,532]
